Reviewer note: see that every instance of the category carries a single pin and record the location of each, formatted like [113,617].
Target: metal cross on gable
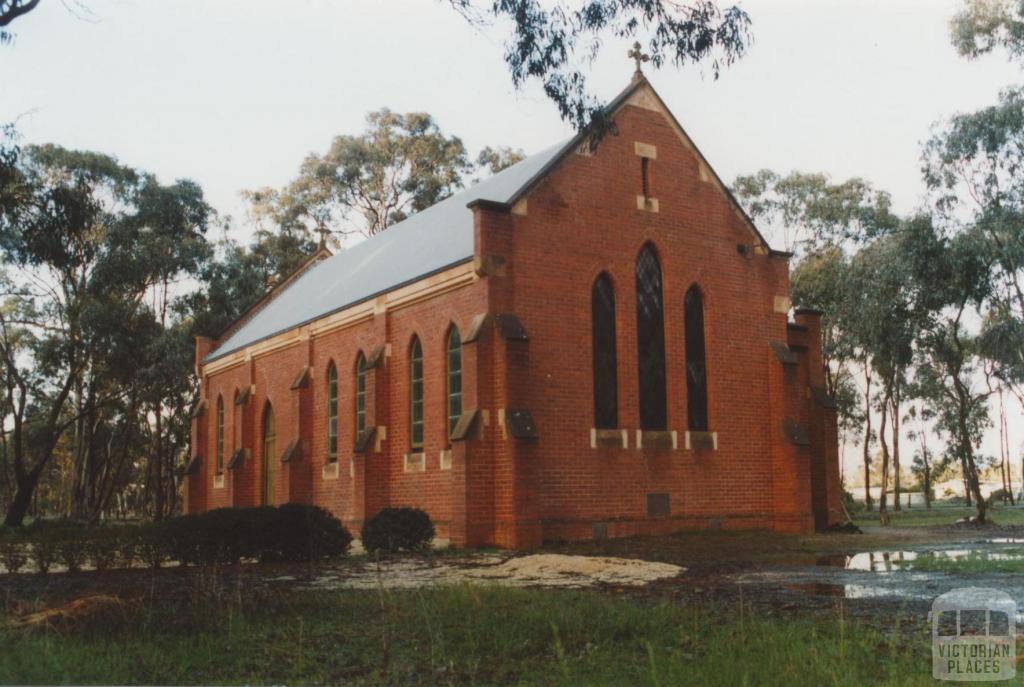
[639,57]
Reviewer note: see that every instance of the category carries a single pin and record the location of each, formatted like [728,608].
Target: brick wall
[539,262]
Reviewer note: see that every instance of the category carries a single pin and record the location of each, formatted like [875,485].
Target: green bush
[152,545]
[398,529]
[71,550]
[852,504]
[44,551]
[13,553]
[997,496]
[102,548]
[306,533]
[293,532]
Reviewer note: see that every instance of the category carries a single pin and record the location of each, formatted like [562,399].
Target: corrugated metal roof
[430,241]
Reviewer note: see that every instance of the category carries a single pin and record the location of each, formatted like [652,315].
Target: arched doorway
[269,455]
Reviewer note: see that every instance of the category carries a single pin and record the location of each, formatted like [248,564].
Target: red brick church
[587,344]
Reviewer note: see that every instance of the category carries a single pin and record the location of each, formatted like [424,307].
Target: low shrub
[152,545]
[306,533]
[292,532]
[44,552]
[998,496]
[71,550]
[102,548]
[398,529]
[13,553]
[852,504]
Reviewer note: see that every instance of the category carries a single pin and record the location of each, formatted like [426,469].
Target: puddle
[892,561]
[842,591]
[907,574]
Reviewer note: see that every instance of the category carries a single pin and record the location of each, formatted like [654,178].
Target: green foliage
[807,212]
[44,551]
[91,248]
[548,39]
[103,547]
[851,504]
[468,635]
[365,183]
[398,529]
[495,160]
[981,26]
[71,551]
[308,533]
[14,554]
[291,532]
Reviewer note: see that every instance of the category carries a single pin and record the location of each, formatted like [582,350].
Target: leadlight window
[360,394]
[696,366]
[332,413]
[220,434]
[606,390]
[650,333]
[454,378]
[416,395]
[269,455]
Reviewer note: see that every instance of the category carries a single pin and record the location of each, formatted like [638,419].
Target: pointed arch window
[696,364]
[454,361]
[650,335]
[238,420]
[602,323]
[220,434]
[332,413]
[269,455]
[360,394]
[416,393]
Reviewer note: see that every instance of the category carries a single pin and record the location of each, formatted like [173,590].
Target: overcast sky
[234,93]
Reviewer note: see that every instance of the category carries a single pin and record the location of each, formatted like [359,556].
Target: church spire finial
[639,57]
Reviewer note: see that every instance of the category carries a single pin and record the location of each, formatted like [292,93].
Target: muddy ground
[858,575]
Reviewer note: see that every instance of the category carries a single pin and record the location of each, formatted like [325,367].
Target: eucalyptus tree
[804,212]
[362,184]
[923,461]
[553,42]
[981,26]
[58,202]
[823,223]
[821,279]
[494,160]
[11,10]
[92,249]
[953,279]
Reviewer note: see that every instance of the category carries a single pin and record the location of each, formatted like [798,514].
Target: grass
[461,635]
[919,516]
[1001,561]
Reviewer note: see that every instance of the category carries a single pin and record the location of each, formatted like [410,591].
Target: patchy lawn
[458,635]
[940,514]
[748,608]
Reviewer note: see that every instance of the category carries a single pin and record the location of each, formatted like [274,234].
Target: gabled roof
[430,241]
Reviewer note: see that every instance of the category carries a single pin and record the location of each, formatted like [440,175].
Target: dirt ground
[770,573]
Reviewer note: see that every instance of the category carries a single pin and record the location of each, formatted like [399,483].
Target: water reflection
[891,561]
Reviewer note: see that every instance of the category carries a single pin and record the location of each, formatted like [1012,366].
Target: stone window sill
[609,438]
[330,470]
[415,462]
[658,440]
[701,441]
